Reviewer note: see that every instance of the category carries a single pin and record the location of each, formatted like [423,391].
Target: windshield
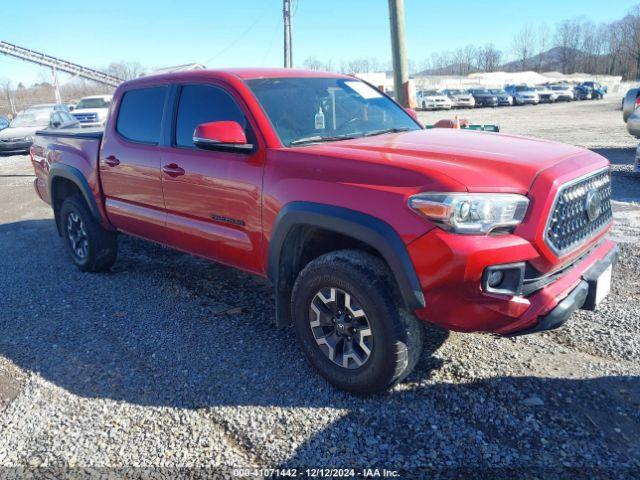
[92,103]
[477,91]
[454,92]
[308,110]
[431,93]
[497,90]
[31,120]
[523,88]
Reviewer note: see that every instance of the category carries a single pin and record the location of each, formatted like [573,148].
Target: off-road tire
[101,245]
[397,334]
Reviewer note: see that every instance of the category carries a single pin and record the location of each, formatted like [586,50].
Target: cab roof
[235,73]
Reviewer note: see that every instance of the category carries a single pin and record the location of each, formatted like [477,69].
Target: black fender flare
[361,226]
[58,170]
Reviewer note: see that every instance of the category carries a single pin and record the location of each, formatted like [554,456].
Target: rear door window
[140,114]
[202,104]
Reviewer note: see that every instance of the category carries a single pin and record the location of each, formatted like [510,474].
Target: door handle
[112,161]
[173,170]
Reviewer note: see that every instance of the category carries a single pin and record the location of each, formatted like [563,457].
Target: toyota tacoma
[367,224]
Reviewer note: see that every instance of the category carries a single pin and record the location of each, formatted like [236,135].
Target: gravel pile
[172,361]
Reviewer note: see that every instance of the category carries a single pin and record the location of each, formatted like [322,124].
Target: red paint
[222,205]
[221,132]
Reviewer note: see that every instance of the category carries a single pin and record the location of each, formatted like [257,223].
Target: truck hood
[470,160]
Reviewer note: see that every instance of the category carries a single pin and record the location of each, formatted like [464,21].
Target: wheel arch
[59,181]
[298,221]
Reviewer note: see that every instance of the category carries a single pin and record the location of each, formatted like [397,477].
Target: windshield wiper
[386,130]
[320,138]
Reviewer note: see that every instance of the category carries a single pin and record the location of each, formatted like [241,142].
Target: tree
[488,58]
[631,29]
[544,42]
[568,38]
[312,63]
[125,70]
[523,45]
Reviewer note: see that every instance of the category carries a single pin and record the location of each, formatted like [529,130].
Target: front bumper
[451,274]
[486,102]
[581,297]
[14,147]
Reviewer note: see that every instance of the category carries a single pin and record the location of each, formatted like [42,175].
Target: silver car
[631,115]
[460,98]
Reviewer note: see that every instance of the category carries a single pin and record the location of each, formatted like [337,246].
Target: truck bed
[72,152]
[92,133]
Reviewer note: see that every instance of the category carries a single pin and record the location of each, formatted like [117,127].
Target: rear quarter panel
[79,153]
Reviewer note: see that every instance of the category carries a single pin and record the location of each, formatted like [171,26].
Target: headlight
[471,213]
[28,139]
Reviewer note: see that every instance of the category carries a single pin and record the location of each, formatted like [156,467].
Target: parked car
[460,98]
[630,111]
[546,95]
[630,103]
[597,90]
[523,94]
[92,111]
[48,106]
[4,122]
[18,136]
[367,224]
[564,92]
[483,97]
[582,92]
[504,99]
[433,100]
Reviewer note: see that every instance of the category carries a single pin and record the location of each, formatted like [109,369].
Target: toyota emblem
[593,204]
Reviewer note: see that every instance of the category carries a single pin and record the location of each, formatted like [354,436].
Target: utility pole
[56,85]
[288,53]
[399,52]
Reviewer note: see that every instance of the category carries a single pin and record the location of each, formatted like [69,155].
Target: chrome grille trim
[565,235]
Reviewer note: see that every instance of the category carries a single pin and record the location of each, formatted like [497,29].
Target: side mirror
[412,113]
[224,136]
[55,124]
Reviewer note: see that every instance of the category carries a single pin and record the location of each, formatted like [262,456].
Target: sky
[248,33]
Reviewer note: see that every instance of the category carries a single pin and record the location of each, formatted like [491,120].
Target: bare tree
[361,65]
[545,39]
[313,63]
[488,58]
[523,46]
[126,70]
[568,38]
[631,29]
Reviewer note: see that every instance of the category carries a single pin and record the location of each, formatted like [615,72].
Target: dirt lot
[169,361]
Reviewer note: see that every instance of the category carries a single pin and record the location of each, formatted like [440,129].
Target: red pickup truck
[366,223]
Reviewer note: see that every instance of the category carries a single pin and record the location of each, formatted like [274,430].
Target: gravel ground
[169,361]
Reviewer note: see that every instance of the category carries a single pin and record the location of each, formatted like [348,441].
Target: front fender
[360,226]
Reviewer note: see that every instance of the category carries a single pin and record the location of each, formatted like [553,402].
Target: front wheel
[91,247]
[349,323]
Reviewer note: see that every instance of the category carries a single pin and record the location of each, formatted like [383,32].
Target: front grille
[569,224]
[86,117]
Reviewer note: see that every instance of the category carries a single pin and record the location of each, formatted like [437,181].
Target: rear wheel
[349,323]
[91,247]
